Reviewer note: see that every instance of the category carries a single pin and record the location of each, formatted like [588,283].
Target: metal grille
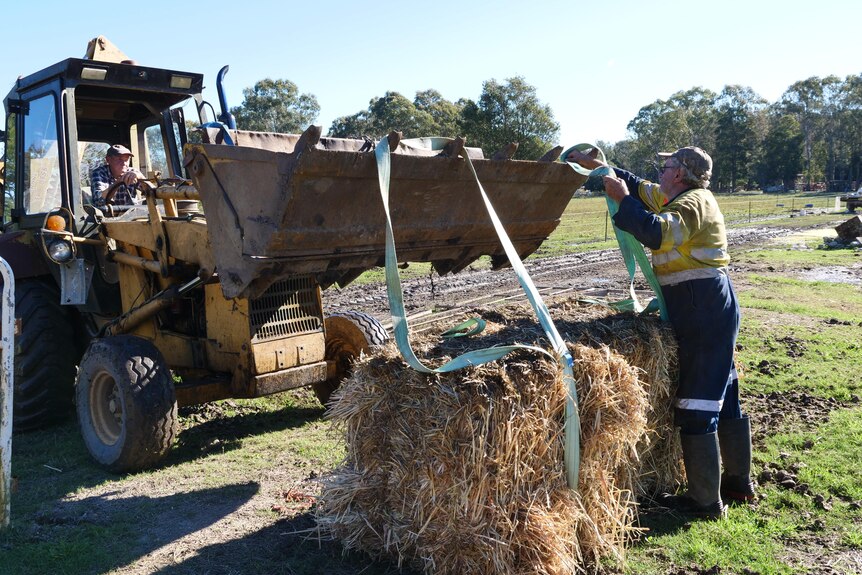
[289,307]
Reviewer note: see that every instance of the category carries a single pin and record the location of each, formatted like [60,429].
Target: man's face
[118,164]
[668,173]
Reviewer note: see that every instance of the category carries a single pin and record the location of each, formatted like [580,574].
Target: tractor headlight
[60,251]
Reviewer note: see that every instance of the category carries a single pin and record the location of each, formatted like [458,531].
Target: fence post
[607,217]
[749,211]
[7,351]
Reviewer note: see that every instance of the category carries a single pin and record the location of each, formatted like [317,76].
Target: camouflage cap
[698,162]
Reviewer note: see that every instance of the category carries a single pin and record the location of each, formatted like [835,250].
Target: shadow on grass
[53,462]
[290,547]
[659,521]
[99,533]
[224,433]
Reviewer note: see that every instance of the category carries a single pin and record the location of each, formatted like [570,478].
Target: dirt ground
[273,519]
[594,271]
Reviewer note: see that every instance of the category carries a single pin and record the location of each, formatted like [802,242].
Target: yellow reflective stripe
[652,196]
[709,253]
[662,258]
[674,222]
[700,404]
[686,275]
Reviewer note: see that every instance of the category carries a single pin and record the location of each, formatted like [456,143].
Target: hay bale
[464,472]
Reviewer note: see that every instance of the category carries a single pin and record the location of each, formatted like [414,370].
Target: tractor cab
[61,120]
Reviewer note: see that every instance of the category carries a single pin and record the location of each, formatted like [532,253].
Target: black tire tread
[374,331]
[45,356]
[151,423]
[374,334]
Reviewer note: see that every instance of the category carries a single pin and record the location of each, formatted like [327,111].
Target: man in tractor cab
[114,182]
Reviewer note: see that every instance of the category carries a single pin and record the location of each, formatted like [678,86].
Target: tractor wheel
[45,356]
[126,405]
[347,335]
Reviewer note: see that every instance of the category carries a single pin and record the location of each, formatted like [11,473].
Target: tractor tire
[348,334]
[127,409]
[45,356]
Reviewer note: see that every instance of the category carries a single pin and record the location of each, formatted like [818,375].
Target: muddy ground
[273,518]
[594,271]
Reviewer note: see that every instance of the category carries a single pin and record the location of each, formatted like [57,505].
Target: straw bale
[464,473]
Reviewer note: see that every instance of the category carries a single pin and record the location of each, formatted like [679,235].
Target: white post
[7,372]
[837,203]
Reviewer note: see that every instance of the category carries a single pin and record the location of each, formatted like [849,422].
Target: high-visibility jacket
[693,241]
[688,241]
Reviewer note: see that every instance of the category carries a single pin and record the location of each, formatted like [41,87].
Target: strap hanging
[478,357]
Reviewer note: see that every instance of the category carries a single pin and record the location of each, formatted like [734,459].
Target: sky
[596,64]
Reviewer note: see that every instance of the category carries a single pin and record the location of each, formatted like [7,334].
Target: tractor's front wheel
[348,334]
[127,410]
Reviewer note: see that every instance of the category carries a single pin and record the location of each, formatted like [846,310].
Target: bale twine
[463,472]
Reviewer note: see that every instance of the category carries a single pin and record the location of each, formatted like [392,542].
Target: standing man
[114,181]
[680,221]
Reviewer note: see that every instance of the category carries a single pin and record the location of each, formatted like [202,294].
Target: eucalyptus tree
[509,112]
[851,122]
[687,118]
[429,114]
[444,114]
[782,151]
[276,106]
[804,99]
[842,131]
[739,127]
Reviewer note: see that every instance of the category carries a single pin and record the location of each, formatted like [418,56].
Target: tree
[509,112]
[429,114]
[276,106]
[685,119]
[851,127]
[782,150]
[444,113]
[739,111]
[804,99]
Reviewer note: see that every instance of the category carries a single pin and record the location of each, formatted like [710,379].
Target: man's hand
[131,177]
[587,160]
[615,188]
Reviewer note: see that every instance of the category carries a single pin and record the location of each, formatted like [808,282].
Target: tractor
[211,287]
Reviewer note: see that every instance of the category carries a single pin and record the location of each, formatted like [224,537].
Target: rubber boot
[703,469]
[734,437]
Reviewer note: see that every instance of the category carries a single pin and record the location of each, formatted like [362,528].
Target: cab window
[41,161]
[7,170]
[156,154]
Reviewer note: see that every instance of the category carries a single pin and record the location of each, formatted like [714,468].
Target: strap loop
[466,328]
[630,248]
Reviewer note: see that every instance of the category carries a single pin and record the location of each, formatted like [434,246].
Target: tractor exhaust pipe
[225,117]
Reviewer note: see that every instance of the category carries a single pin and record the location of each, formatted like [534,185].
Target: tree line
[505,112]
[810,137]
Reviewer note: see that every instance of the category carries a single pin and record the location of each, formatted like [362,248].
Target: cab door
[37,171]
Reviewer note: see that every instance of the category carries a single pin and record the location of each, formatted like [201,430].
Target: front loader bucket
[315,207]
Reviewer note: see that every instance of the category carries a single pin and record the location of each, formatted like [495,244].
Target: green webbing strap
[467,328]
[630,248]
[478,357]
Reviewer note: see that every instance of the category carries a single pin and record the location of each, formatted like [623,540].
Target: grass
[791,325]
[816,299]
[67,520]
[708,544]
